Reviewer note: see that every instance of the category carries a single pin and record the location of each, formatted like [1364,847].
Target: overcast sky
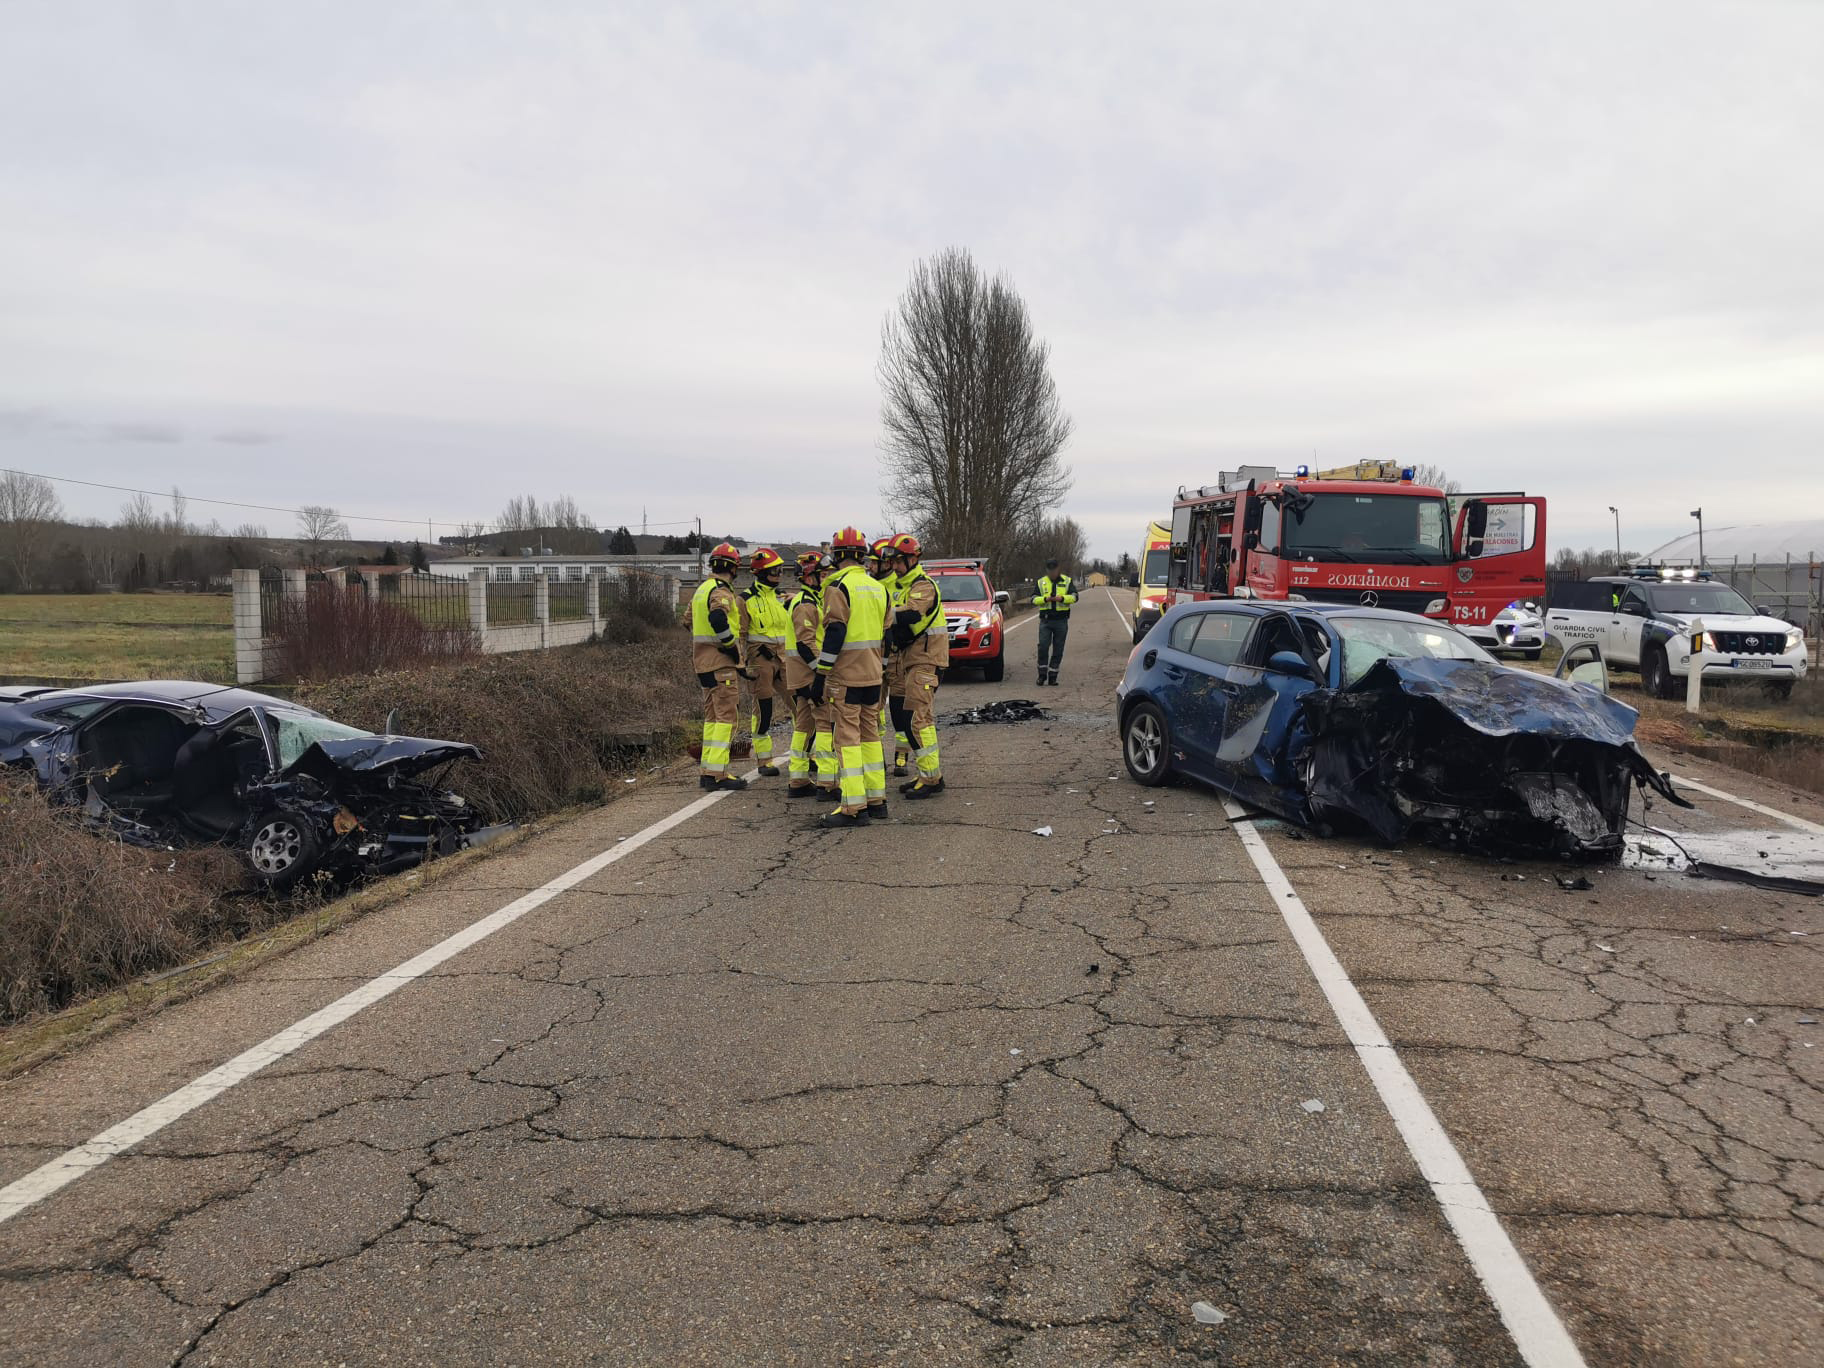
[413,259]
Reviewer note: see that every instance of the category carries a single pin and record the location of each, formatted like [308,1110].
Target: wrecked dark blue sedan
[1334,716]
[175,762]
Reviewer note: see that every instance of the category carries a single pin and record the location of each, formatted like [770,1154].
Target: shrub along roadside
[80,913]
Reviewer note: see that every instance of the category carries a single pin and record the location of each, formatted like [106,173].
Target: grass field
[116,636]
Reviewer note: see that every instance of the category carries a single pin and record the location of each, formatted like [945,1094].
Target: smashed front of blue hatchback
[1472,755]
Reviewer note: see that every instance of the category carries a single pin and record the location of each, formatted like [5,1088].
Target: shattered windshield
[1366,641]
[1366,527]
[298,734]
[1699,598]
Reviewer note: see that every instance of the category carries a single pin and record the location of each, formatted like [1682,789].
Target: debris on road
[1041,831]
[1312,1105]
[1575,883]
[1779,861]
[1206,1314]
[1007,710]
[1606,949]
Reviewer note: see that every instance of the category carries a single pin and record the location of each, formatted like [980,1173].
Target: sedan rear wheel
[282,849]
[1145,745]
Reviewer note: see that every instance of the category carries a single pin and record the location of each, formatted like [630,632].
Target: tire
[995,669]
[281,848]
[1533,653]
[1655,674]
[1146,745]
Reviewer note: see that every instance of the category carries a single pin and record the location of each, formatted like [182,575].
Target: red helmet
[767,559]
[810,563]
[725,554]
[849,539]
[907,545]
[882,548]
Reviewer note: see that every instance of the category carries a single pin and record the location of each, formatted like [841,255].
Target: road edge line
[1531,1321]
[55,1174]
[1797,823]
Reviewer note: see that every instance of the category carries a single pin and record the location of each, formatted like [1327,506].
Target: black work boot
[729,783]
[707,781]
[876,812]
[770,771]
[1053,681]
[805,791]
[922,790]
[837,820]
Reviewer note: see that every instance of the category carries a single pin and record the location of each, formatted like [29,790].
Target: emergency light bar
[1669,572]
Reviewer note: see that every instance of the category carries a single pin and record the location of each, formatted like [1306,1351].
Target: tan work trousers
[768,683]
[857,728]
[721,705]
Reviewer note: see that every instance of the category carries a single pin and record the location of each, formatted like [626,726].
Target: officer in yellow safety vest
[1056,593]
[765,626]
[716,654]
[884,567]
[813,743]
[923,647]
[849,676]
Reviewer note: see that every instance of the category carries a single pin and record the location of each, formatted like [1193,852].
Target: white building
[574,568]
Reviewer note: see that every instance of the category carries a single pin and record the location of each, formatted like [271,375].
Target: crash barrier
[492,617]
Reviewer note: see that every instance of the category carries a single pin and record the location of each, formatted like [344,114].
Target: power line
[272,508]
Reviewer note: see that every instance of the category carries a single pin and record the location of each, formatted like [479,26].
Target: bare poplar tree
[28,506]
[971,424]
[317,527]
[137,515]
[1434,476]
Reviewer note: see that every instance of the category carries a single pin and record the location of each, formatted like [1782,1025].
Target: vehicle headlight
[1794,639]
[985,619]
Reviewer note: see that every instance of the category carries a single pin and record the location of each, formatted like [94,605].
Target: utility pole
[1617,512]
[1698,513]
[702,569]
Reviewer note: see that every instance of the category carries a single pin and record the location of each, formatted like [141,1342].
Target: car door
[1625,625]
[1203,692]
[1261,705]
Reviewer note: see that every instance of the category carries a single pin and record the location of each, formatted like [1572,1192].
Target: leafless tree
[28,507]
[178,524]
[523,513]
[971,424]
[472,534]
[317,527]
[136,515]
[1434,476]
[1049,538]
[248,531]
[563,513]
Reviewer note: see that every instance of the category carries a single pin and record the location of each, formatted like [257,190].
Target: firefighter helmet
[767,559]
[907,545]
[725,555]
[810,563]
[849,539]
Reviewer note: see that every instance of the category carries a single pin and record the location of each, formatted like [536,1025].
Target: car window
[1272,634]
[1634,601]
[297,734]
[1184,630]
[1368,641]
[1220,637]
[1582,596]
[74,711]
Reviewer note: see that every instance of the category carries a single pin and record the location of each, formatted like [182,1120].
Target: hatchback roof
[224,696]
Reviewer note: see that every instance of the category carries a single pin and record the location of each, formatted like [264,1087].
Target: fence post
[541,608]
[249,630]
[1694,675]
[594,604]
[370,581]
[478,607]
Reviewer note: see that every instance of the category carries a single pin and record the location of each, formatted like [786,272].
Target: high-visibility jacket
[853,598]
[767,621]
[706,641]
[806,614]
[920,596]
[1061,592]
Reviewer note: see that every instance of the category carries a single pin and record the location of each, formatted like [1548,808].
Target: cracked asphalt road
[950,1092]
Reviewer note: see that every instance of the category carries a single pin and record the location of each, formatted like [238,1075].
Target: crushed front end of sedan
[171,763]
[1467,754]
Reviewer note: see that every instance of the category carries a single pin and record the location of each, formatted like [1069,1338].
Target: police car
[1517,627]
[1642,621]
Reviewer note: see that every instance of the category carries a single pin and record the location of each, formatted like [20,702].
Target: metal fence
[569,600]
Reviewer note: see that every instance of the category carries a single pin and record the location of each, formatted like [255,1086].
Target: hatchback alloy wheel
[1145,745]
[275,847]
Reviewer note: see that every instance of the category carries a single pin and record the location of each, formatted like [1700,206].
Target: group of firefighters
[856,652]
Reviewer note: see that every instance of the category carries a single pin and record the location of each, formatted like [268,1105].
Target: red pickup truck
[972,612]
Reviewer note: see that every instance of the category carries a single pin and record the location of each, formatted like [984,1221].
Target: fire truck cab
[1363,534]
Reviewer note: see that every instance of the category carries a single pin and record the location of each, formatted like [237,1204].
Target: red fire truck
[1358,534]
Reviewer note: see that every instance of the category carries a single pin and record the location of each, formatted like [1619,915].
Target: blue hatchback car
[1321,712]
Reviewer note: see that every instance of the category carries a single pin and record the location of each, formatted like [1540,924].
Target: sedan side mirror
[1289,663]
[1002,596]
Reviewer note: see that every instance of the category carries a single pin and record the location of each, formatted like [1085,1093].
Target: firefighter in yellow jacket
[715,619]
[849,676]
[765,626]
[922,640]
[813,743]
[883,565]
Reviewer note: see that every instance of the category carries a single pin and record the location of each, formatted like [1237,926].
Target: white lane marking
[1127,623]
[1015,626]
[67,1167]
[1537,1332]
[1751,805]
